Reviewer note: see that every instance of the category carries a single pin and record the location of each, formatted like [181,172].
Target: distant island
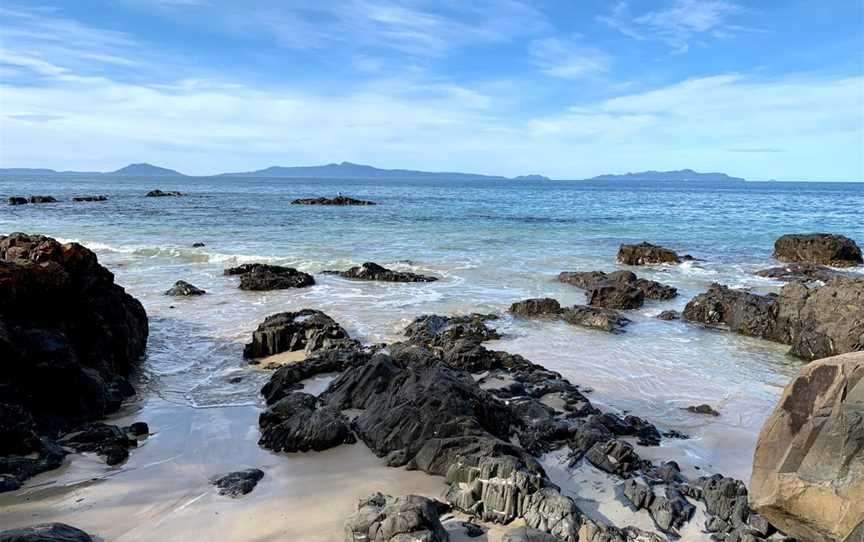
[680,175]
[132,170]
[533,177]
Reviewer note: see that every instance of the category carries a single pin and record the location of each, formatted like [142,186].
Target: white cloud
[565,59]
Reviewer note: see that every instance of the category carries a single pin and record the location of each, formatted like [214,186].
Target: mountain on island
[347,170]
[532,177]
[145,170]
[680,175]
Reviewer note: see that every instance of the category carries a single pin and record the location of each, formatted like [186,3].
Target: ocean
[490,242]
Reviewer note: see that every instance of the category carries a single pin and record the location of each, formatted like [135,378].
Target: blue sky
[569,89]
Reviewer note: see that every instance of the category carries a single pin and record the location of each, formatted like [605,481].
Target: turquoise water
[491,242]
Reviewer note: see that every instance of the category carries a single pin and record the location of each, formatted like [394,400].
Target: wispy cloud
[680,24]
[567,59]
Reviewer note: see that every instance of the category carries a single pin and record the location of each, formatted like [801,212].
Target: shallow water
[490,242]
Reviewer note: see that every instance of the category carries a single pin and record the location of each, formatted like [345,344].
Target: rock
[646,254]
[289,377]
[619,289]
[708,410]
[89,198]
[338,200]
[536,308]
[17,200]
[109,441]
[45,532]
[373,271]
[615,296]
[160,194]
[259,276]
[614,456]
[307,329]
[43,199]
[296,424]
[808,468]
[595,317]
[183,288]
[669,315]
[198,245]
[238,483]
[382,518]
[670,511]
[527,534]
[820,248]
[742,312]
[433,331]
[800,271]
[725,502]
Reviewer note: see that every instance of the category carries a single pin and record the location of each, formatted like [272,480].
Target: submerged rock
[259,276]
[43,199]
[577,315]
[618,289]
[109,441]
[89,198]
[808,468]
[646,254]
[17,200]
[183,288]
[669,315]
[238,483]
[338,200]
[708,410]
[373,271]
[160,194]
[819,248]
[800,271]
[382,518]
[307,329]
[45,532]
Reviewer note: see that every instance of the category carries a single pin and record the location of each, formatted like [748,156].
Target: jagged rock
[726,500]
[742,312]
[615,296]
[800,271]
[617,290]
[43,199]
[595,317]
[669,315]
[89,198]
[536,308]
[821,248]
[808,468]
[259,276]
[288,378]
[373,271]
[109,441]
[338,200]
[708,410]
[183,288]
[432,330]
[591,531]
[382,518]
[296,424]
[527,534]
[669,511]
[238,483]
[17,200]
[646,254]
[307,329]
[614,456]
[45,532]
[160,194]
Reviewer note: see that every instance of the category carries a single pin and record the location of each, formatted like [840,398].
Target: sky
[768,89]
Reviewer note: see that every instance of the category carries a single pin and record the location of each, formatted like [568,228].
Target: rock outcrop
[259,276]
[819,248]
[808,469]
[338,200]
[45,532]
[296,423]
[382,518]
[577,315]
[238,483]
[373,271]
[162,194]
[183,288]
[17,200]
[307,330]
[43,199]
[800,271]
[646,254]
[89,198]
[618,289]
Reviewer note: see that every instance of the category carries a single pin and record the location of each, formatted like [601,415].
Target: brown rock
[808,469]
[646,254]
[824,248]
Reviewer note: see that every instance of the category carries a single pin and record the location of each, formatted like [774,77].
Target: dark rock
[109,441]
[800,271]
[160,194]
[433,331]
[536,308]
[617,290]
[183,288]
[742,312]
[373,271]
[614,457]
[296,424]
[382,518]
[708,410]
[138,429]
[307,329]
[338,200]
[615,296]
[289,377]
[43,199]
[646,254]
[820,248]
[45,532]
[238,483]
[726,499]
[259,276]
[669,315]
[198,245]
[18,200]
[670,512]
[90,198]
[527,534]
[595,317]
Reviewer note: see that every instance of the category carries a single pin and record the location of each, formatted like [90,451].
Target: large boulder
[373,271]
[821,248]
[742,312]
[382,518]
[296,423]
[259,276]
[307,329]
[808,469]
[646,254]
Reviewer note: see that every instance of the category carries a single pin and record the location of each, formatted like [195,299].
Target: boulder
[800,271]
[373,271]
[615,295]
[289,377]
[819,248]
[307,330]
[296,423]
[434,331]
[618,289]
[527,534]
[89,198]
[669,315]
[646,254]
[338,200]
[238,483]
[17,200]
[45,532]
[43,199]
[707,410]
[595,317]
[808,468]
[109,441]
[259,276]
[382,518]
[742,312]
[198,245]
[536,308]
[183,288]
[160,194]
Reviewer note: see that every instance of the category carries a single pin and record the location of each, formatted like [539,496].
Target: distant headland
[679,175]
